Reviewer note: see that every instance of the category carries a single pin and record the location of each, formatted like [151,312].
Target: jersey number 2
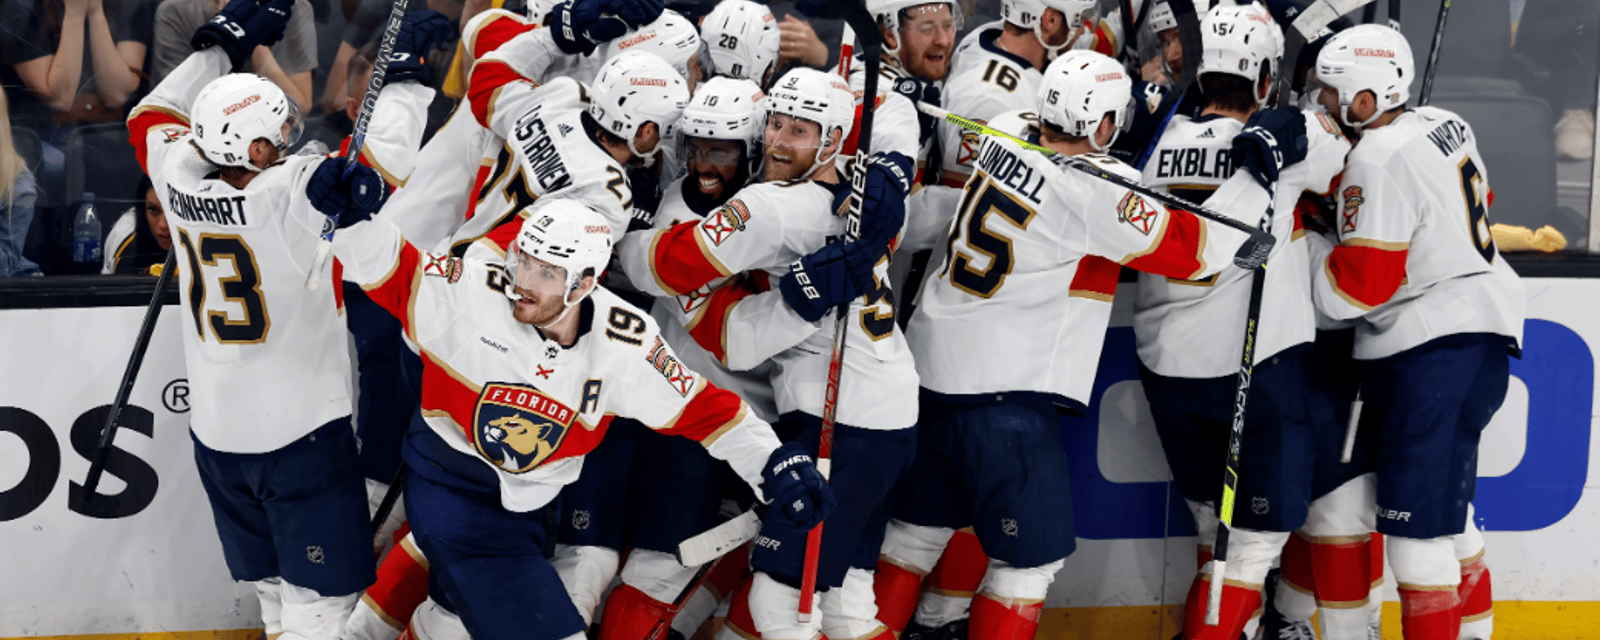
[1472,188]
[243,287]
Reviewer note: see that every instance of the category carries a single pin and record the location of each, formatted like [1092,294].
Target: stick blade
[719,540]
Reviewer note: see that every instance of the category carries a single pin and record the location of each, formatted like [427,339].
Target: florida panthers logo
[517,427]
[1352,206]
[1137,213]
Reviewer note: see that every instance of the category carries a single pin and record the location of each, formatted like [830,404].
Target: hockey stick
[1433,54]
[1304,28]
[390,497]
[1394,14]
[1253,252]
[713,543]
[866,30]
[358,135]
[97,467]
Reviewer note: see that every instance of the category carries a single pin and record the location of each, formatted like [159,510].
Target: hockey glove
[883,210]
[797,490]
[830,276]
[1271,140]
[242,26]
[636,13]
[419,30]
[918,90]
[352,199]
[578,26]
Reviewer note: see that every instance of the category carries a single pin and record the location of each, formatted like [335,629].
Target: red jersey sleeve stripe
[710,327]
[497,31]
[1176,254]
[397,290]
[1095,278]
[142,121]
[488,78]
[1366,275]
[680,262]
[708,415]
[448,393]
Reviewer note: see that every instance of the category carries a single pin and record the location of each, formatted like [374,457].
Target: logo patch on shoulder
[441,266]
[1352,206]
[726,221]
[1328,125]
[970,143]
[518,427]
[1137,213]
[677,375]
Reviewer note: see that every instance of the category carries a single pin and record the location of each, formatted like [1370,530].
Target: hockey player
[641,489]
[1190,332]
[771,227]
[1036,238]
[271,409]
[739,39]
[526,363]
[1437,308]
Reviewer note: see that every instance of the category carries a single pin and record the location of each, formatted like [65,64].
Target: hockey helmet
[1367,57]
[888,14]
[567,235]
[725,109]
[1079,89]
[1238,41]
[820,97]
[633,88]
[739,39]
[671,36]
[237,109]
[1029,14]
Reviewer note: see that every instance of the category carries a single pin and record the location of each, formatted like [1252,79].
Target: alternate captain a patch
[518,427]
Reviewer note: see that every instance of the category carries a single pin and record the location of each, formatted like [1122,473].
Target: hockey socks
[386,608]
[1474,593]
[1427,573]
[1239,605]
[630,613]
[1344,582]
[948,590]
[993,619]
[896,587]
[1295,598]
[909,552]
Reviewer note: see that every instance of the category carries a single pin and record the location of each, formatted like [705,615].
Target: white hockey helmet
[1079,89]
[1367,57]
[671,36]
[1161,17]
[1029,14]
[633,88]
[1238,40]
[726,109]
[821,97]
[739,39]
[565,233]
[888,14]
[237,109]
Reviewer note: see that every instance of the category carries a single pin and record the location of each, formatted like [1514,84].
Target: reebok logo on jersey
[677,375]
[1352,206]
[517,427]
[1137,213]
[724,222]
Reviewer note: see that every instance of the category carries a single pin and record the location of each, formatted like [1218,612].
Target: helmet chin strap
[566,307]
[817,159]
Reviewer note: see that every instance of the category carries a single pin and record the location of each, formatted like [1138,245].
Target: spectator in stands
[138,242]
[288,63]
[17,195]
[363,31]
[1564,37]
[70,61]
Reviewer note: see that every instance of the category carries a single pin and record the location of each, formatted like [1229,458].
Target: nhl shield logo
[518,427]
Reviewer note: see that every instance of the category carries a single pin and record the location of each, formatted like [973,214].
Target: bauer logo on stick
[517,427]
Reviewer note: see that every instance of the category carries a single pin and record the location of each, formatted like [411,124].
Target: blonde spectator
[17,195]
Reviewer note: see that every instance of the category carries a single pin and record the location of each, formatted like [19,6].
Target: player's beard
[784,163]
[931,63]
[535,309]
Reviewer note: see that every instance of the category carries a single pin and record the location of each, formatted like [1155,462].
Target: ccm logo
[254,98]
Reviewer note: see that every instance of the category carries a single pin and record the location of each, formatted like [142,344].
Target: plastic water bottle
[86,232]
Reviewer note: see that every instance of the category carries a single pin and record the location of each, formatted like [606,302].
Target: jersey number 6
[1472,187]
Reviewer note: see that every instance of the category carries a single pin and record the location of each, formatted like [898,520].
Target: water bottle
[86,232]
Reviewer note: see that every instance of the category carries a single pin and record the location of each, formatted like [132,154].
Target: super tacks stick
[866,30]
[358,135]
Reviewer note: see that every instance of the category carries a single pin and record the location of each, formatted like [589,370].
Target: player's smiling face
[791,146]
[714,165]
[927,34]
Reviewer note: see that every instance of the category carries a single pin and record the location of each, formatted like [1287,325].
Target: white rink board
[161,568]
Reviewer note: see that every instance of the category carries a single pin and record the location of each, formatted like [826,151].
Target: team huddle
[603,290]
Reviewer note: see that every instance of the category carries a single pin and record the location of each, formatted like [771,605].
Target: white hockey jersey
[1415,259]
[1195,328]
[764,228]
[1022,296]
[985,81]
[679,315]
[267,358]
[498,390]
